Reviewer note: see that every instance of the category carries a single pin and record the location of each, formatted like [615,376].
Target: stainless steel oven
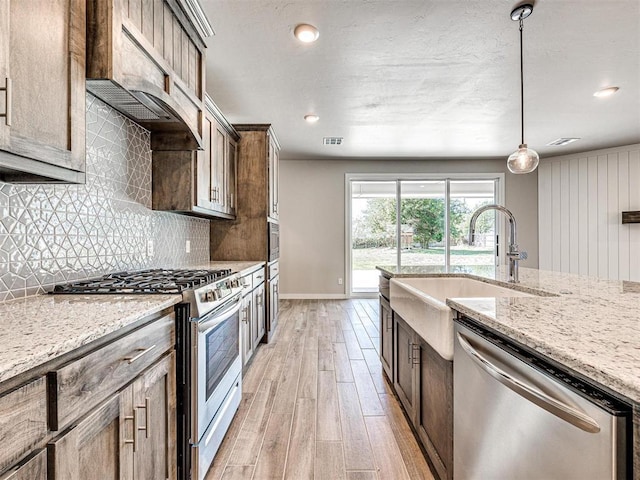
[217,368]
[208,367]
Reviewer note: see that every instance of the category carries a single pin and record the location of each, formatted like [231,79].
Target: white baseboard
[312,296]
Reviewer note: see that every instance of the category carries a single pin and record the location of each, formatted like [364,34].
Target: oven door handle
[216,318]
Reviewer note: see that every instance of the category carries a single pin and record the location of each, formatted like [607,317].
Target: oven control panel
[211,296]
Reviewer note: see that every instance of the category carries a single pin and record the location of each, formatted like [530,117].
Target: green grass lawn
[368,258]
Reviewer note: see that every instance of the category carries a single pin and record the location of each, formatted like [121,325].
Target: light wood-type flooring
[315,404]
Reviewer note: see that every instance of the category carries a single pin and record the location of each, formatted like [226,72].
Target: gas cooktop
[145,281]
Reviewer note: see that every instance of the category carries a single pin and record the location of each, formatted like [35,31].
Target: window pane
[422,222]
[465,198]
[373,232]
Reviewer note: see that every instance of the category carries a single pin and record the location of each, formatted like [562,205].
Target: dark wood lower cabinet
[423,382]
[130,436]
[404,373]
[386,337]
[434,422]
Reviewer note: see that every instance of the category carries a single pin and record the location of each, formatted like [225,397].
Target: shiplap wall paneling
[581,198]
[634,204]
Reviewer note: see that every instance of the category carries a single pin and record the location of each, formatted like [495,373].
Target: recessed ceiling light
[306,33]
[311,118]
[562,141]
[606,92]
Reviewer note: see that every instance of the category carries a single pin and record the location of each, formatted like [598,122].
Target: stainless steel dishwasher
[517,416]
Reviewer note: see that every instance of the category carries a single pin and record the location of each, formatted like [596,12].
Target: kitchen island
[591,326]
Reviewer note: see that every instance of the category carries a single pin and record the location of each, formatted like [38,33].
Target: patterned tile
[56,233]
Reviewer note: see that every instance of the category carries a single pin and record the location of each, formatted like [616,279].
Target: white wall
[312,215]
[581,200]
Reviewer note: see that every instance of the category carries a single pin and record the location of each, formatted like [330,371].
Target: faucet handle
[523,255]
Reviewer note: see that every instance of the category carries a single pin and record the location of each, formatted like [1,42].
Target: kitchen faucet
[513,254]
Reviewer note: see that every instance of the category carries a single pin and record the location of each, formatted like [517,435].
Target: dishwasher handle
[541,399]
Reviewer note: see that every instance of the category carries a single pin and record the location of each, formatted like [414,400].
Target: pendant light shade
[523,160]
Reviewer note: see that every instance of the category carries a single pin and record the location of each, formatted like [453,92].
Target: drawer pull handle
[143,351]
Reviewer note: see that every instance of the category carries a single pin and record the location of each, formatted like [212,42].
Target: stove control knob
[208,296]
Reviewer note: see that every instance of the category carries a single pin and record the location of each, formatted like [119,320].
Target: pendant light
[523,160]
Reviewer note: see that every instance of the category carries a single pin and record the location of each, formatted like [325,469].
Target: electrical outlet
[340,281]
[149,248]
[187,247]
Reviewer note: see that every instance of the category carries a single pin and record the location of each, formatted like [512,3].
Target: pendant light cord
[521,85]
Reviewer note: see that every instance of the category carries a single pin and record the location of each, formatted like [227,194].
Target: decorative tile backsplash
[56,233]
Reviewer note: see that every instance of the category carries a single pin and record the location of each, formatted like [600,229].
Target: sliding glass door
[417,221]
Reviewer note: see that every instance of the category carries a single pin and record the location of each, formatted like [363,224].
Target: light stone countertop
[34,330]
[592,326]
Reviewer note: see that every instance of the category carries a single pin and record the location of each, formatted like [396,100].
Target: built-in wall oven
[274,241]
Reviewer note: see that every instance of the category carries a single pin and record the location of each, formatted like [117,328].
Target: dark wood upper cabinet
[203,182]
[42,91]
[146,58]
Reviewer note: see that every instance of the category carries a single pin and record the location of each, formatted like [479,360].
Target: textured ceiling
[427,78]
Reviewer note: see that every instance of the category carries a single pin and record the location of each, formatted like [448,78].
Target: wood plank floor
[315,404]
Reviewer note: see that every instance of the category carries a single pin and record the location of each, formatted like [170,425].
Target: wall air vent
[332,140]
[562,141]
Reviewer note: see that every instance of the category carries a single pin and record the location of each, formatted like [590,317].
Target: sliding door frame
[349,178]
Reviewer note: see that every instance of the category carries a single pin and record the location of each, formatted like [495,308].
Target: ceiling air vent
[562,141]
[332,140]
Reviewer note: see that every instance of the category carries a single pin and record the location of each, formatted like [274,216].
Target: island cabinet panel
[42,91]
[405,373]
[81,384]
[434,420]
[386,338]
[423,382]
[23,421]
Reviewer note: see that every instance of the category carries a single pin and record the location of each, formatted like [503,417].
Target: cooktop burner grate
[145,281]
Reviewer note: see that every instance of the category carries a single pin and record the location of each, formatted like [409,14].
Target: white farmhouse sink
[421,303]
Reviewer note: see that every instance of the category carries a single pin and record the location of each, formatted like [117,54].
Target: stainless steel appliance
[207,348]
[274,241]
[518,416]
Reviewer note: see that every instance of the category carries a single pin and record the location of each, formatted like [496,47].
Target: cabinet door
[231,176]
[99,447]
[42,86]
[245,328]
[273,180]
[435,409]
[274,303]
[35,468]
[154,404]
[204,192]
[404,369]
[218,167]
[258,327]
[386,337]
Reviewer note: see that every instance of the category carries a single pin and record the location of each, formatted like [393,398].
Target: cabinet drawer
[258,277]
[247,283]
[81,384]
[34,468]
[274,269]
[23,421]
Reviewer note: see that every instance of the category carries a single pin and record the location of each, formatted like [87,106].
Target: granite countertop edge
[581,336]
